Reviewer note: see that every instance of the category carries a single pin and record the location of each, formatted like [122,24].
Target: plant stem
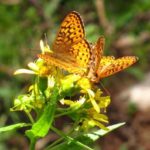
[70,139]
[29,116]
[54,143]
[32,145]
[60,139]
[64,113]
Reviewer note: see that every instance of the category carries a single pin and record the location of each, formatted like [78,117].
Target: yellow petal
[26,71]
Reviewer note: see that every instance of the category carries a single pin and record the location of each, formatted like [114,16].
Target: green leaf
[72,143]
[99,133]
[13,127]
[42,126]
[68,146]
[86,139]
[42,83]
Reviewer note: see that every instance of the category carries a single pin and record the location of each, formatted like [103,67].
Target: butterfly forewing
[66,64]
[71,32]
[112,66]
[70,48]
[81,51]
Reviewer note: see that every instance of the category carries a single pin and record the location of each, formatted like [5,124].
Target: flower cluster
[79,99]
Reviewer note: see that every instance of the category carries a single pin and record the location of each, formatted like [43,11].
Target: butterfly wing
[70,42]
[66,64]
[110,65]
[71,32]
[105,60]
[70,47]
[96,55]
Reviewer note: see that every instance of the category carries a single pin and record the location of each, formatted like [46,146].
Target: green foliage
[42,126]
[22,24]
[46,98]
[13,127]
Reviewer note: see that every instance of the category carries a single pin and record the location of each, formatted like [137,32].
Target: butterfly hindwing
[96,55]
[112,66]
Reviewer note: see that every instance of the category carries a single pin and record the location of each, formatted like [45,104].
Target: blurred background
[126,27]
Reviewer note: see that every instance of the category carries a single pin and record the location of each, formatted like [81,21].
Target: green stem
[68,138]
[64,113]
[54,143]
[32,145]
[29,116]
[60,139]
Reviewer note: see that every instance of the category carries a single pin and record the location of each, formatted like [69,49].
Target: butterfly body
[73,53]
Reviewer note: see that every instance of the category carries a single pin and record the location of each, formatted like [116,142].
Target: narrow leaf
[86,139]
[13,127]
[99,133]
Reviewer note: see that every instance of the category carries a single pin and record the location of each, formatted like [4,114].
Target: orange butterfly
[73,53]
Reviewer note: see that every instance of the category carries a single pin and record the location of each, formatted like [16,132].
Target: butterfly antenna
[107,91]
[45,36]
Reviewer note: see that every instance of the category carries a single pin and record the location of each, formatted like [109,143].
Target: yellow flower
[23,102]
[73,104]
[84,84]
[44,47]
[102,101]
[68,82]
[39,67]
[93,100]
[89,106]
[93,118]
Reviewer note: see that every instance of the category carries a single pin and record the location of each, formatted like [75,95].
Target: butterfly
[73,53]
